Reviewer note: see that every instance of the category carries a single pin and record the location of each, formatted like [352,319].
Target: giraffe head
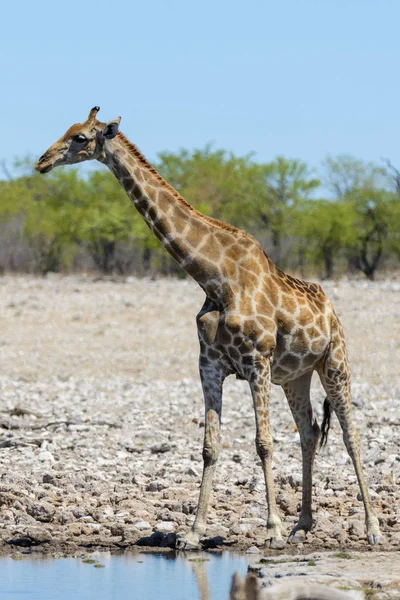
[82,141]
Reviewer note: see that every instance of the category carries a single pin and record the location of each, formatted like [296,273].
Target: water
[126,576]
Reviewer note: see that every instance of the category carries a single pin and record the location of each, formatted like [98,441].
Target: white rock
[141,525]
[164,526]
[46,456]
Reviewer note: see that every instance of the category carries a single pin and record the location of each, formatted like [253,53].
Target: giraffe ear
[111,129]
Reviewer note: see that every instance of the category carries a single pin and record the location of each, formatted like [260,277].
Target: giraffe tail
[326,422]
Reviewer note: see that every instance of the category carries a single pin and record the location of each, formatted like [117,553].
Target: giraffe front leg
[260,385]
[211,379]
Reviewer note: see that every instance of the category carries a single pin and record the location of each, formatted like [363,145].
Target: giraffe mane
[135,152]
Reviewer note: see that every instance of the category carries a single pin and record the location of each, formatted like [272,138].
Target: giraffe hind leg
[335,378]
[298,396]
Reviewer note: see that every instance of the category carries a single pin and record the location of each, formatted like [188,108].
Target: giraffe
[257,323]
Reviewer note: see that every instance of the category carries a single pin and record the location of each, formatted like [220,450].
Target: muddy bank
[101,422]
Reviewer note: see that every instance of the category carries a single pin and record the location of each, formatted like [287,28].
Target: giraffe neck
[185,233]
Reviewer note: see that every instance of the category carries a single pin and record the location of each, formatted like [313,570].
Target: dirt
[101,422]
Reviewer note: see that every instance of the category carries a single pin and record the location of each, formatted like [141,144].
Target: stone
[357,528]
[141,525]
[46,456]
[41,511]
[253,550]
[164,526]
[160,448]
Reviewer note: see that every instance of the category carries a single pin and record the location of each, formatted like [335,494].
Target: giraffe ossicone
[256,322]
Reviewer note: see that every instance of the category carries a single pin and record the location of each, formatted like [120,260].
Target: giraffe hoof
[297,536]
[375,538]
[275,543]
[189,543]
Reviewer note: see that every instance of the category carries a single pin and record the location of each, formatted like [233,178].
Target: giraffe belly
[281,375]
[242,343]
[296,355]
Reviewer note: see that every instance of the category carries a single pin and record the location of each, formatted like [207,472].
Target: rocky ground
[375,575]
[101,421]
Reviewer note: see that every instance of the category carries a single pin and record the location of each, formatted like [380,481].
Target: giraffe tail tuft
[326,422]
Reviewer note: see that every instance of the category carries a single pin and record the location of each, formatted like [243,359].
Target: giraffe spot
[210,249]
[281,342]
[233,323]
[288,303]
[197,234]
[139,176]
[234,354]
[318,346]
[308,360]
[305,317]
[246,279]
[266,344]
[320,322]
[164,200]
[312,331]
[142,204]
[247,360]
[204,362]
[251,329]
[179,220]
[227,293]
[291,282]
[201,270]
[137,192]
[285,323]
[289,361]
[299,343]
[263,302]
[242,345]
[152,213]
[213,354]
[229,269]
[224,336]
[271,289]
[256,268]
[339,354]
[264,308]
[278,372]
[245,305]
[250,264]
[234,252]
[266,323]
[224,238]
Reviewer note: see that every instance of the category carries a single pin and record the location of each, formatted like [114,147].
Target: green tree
[45,207]
[322,229]
[369,190]
[284,184]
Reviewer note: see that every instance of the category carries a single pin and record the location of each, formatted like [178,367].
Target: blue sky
[300,78]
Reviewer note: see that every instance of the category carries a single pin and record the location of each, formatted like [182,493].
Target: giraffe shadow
[168,540]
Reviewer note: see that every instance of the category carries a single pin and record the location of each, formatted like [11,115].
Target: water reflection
[198,564]
[133,576]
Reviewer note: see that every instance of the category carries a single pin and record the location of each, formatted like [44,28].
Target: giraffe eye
[80,138]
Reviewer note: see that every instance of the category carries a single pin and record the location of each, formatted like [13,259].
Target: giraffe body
[257,322]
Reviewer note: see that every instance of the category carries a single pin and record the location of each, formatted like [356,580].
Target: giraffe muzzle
[44,169]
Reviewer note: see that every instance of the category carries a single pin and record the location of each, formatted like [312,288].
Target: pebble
[46,456]
[141,525]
